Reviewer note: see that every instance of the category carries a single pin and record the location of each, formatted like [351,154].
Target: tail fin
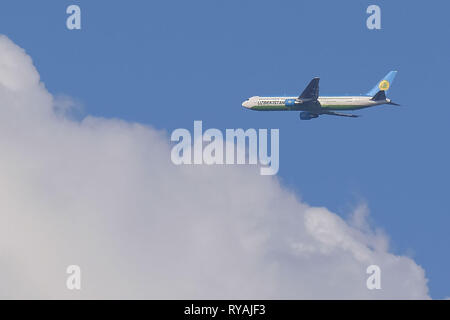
[383,84]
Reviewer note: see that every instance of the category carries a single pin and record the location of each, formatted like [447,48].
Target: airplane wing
[340,114]
[311,91]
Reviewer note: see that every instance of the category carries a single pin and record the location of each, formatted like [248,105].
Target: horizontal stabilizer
[380,96]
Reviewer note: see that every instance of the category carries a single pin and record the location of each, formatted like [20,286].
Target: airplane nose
[246,104]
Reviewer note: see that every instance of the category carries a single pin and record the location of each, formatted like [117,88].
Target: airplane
[312,105]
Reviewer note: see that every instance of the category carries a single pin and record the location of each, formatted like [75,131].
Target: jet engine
[308,115]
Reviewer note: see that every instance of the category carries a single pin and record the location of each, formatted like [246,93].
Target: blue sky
[168,63]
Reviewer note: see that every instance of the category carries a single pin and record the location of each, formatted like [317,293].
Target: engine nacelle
[307,115]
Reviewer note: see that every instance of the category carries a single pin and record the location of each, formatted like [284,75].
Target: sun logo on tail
[384,85]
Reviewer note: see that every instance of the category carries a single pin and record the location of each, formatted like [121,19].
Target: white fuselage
[328,103]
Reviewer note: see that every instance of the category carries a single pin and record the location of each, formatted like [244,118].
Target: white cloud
[103,194]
